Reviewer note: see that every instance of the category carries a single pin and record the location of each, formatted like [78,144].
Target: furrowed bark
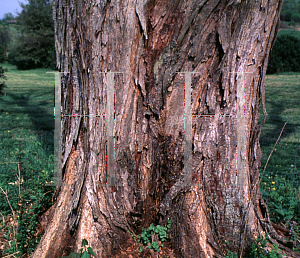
[150,44]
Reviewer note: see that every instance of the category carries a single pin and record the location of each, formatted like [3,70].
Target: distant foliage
[290,11]
[296,17]
[4,37]
[35,47]
[2,77]
[35,50]
[8,16]
[2,54]
[285,55]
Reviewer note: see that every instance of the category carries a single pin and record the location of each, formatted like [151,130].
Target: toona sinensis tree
[211,198]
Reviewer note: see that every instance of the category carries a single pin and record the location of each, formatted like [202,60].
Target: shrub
[286,15]
[33,51]
[2,84]
[285,55]
[2,54]
[4,37]
[296,17]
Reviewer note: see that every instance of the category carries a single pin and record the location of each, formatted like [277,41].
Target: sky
[10,6]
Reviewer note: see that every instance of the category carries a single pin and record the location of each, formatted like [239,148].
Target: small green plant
[257,249]
[294,229]
[147,235]
[26,197]
[85,251]
[229,253]
[154,246]
[274,252]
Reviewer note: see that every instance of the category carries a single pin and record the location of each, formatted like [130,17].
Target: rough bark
[150,42]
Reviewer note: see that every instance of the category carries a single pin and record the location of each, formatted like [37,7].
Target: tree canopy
[36,16]
[35,47]
[290,11]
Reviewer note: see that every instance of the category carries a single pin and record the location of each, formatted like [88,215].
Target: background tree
[4,36]
[2,53]
[290,11]
[4,40]
[150,42]
[35,46]
[8,16]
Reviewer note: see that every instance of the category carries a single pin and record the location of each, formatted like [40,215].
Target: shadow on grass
[41,117]
[269,137]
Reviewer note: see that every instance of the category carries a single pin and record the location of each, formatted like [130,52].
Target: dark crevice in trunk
[219,47]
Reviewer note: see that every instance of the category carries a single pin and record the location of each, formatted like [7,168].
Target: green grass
[27,131]
[290,32]
[280,185]
[282,101]
[287,29]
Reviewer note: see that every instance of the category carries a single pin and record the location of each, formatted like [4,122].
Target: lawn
[290,32]
[26,154]
[286,29]
[280,185]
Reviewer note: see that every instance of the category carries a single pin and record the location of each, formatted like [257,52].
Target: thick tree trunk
[150,43]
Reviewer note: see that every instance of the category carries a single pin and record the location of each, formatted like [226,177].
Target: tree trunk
[150,44]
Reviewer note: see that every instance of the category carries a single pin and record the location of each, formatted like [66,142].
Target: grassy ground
[287,29]
[280,184]
[291,32]
[26,156]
